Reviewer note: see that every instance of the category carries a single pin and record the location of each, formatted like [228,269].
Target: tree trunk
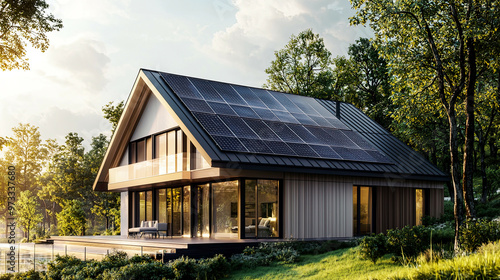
[482,154]
[455,176]
[493,147]
[468,164]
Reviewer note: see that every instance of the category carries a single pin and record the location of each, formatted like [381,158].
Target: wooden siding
[320,206]
[316,208]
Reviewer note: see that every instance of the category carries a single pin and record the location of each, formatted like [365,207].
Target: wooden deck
[173,247]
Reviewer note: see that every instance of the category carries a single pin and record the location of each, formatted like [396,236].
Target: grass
[339,264]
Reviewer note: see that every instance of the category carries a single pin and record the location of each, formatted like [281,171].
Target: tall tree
[113,113]
[27,212]
[28,153]
[23,22]
[302,67]
[440,49]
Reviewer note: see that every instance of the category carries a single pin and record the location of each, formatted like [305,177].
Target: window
[362,210]
[138,151]
[419,206]
[261,221]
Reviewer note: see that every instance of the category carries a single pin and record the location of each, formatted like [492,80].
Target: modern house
[219,160]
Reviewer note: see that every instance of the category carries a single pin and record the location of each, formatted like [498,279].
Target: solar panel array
[252,120]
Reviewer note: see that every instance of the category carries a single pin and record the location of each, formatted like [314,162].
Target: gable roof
[253,128]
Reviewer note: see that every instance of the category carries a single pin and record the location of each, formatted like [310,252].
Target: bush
[373,247]
[474,233]
[266,254]
[214,268]
[407,243]
[141,271]
[184,268]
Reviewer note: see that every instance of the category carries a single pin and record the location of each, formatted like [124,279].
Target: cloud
[263,27]
[82,61]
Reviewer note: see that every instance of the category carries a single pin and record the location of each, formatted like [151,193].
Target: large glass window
[171,152]
[362,210]
[145,201]
[419,206]
[225,198]
[186,213]
[261,208]
[161,152]
[162,205]
[203,210]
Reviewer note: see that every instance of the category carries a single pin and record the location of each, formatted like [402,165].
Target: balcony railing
[143,169]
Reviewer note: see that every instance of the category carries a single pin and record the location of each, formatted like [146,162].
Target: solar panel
[212,124]
[358,139]
[228,93]
[245,112]
[229,143]
[303,133]
[239,127]
[181,86]
[280,148]
[256,146]
[285,133]
[303,150]
[353,154]
[325,151]
[285,116]
[304,119]
[249,96]
[265,114]
[287,103]
[252,120]
[208,92]
[268,99]
[340,139]
[197,105]
[262,130]
[222,108]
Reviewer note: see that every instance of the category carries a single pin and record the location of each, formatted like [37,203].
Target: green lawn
[339,264]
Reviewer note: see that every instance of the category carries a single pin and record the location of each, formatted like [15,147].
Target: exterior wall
[316,207]
[124,215]
[320,206]
[155,118]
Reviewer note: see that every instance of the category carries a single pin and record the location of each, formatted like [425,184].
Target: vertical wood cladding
[320,206]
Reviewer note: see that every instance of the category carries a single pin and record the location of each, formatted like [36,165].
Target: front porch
[172,247]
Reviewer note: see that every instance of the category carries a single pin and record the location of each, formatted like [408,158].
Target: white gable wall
[155,118]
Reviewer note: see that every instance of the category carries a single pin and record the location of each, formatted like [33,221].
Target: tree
[28,153]
[302,67]
[113,113]
[27,212]
[72,219]
[373,85]
[23,21]
[438,49]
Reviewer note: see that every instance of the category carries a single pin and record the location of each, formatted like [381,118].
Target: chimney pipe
[337,109]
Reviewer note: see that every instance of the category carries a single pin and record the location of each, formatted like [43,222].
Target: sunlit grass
[340,264]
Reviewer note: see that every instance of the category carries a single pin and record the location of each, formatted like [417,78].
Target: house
[219,160]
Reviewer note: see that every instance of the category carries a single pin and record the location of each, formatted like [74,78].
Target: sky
[97,55]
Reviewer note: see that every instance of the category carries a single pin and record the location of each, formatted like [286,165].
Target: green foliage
[113,113]
[22,22]
[474,233]
[407,243]
[266,254]
[489,210]
[483,265]
[71,220]
[141,271]
[302,67]
[373,247]
[27,212]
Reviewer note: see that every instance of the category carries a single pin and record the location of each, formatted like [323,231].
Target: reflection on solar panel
[251,120]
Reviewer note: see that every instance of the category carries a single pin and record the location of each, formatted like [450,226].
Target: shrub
[184,268]
[141,271]
[63,265]
[373,247]
[474,233]
[407,243]
[266,254]
[213,268]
